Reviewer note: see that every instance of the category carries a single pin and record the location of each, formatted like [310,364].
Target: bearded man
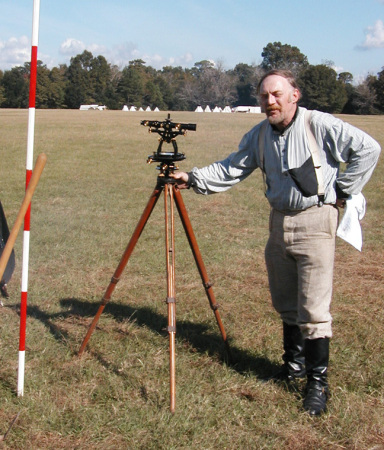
[305,188]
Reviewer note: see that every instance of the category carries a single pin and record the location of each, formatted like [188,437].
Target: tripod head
[168,132]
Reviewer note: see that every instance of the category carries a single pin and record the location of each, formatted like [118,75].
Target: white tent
[227,109]
[248,109]
[148,109]
[207,109]
[88,107]
[132,108]
[199,109]
[125,108]
[156,109]
[141,109]
[216,109]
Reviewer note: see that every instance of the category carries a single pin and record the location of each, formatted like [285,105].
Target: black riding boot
[316,361]
[293,357]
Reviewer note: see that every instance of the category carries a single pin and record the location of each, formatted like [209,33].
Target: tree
[345,77]
[209,85]
[378,86]
[88,79]
[195,86]
[101,79]
[79,88]
[43,85]
[201,67]
[2,97]
[224,88]
[246,78]
[283,56]
[172,82]
[130,88]
[321,90]
[152,95]
[15,84]
[58,85]
[365,99]
[47,87]
[167,94]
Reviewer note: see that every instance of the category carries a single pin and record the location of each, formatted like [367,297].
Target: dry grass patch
[93,190]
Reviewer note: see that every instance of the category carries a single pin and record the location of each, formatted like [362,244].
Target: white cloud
[17,51]
[14,52]
[374,36]
[338,69]
[158,62]
[71,47]
[120,55]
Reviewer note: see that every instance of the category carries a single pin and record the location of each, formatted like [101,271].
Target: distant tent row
[133,108]
[228,109]
[216,109]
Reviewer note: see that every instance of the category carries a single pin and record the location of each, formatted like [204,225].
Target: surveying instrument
[168,132]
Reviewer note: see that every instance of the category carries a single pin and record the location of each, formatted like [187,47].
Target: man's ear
[295,97]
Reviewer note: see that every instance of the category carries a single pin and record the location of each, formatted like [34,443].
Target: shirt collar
[289,125]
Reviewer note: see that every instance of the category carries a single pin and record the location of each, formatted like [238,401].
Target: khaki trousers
[300,259]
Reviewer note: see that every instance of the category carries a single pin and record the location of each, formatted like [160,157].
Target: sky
[350,33]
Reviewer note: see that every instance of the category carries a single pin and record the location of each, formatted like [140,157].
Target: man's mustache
[272,108]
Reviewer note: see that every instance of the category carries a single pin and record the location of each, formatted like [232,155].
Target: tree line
[93,80]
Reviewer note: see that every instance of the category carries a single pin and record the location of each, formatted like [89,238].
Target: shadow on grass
[200,337]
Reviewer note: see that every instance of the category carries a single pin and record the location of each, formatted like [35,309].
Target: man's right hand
[181,179]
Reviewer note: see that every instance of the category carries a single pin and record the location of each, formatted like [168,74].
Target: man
[300,250]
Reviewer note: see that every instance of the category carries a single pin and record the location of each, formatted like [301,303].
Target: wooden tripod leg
[171,296]
[123,262]
[200,264]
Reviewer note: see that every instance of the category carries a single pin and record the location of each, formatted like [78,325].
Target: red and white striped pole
[27,220]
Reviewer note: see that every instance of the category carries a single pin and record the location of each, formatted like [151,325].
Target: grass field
[93,190]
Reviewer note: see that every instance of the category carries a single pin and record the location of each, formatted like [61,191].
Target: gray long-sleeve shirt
[338,142]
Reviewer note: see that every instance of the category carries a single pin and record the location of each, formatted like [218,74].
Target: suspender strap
[315,156]
[261,143]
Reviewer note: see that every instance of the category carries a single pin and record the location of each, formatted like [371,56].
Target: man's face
[278,100]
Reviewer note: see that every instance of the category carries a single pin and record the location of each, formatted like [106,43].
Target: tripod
[172,196]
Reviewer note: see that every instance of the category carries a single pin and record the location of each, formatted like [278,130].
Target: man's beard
[274,119]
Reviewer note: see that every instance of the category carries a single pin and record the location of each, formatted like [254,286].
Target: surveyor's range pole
[27,220]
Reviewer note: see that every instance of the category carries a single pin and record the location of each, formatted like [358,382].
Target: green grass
[93,190]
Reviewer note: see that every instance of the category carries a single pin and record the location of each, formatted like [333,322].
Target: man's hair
[287,74]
